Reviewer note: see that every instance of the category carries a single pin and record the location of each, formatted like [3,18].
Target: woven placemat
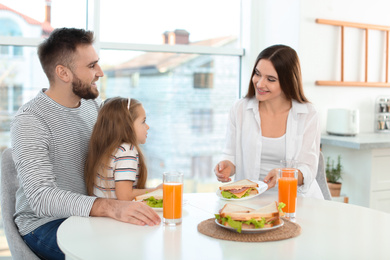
[288,230]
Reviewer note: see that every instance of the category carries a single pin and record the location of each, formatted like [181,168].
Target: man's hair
[60,47]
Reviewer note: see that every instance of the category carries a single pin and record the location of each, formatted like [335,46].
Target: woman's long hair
[114,126]
[286,63]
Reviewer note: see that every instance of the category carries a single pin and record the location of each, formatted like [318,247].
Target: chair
[8,185]
[321,178]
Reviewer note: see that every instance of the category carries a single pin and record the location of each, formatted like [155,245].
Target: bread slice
[268,212]
[234,208]
[239,185]
[272,207]
[157,194]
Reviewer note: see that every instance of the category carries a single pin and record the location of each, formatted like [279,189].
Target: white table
[330,230]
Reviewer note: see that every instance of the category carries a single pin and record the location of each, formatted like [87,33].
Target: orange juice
[288,172]
[288,192]
[172,200]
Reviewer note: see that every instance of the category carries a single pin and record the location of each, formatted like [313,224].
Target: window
[184,121]
[3,98]
[203,80]
[10,28]
[11,50]
[202,173]
[185,70]
[169,22]
[201,167]
[10,101]
[17,97]
[4,50]
[202,120]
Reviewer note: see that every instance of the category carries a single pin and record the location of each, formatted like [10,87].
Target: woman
[274,122]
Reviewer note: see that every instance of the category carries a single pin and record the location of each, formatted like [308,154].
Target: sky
[135,21]
[60,10]
[129,20]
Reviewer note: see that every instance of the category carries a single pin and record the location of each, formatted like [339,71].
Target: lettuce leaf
[228,195]
[237,225]
[280,206]
[154,203]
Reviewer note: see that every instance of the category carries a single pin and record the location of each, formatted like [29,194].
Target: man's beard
[82,89]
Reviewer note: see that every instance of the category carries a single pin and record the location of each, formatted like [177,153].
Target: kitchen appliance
[342,121]
[382,115]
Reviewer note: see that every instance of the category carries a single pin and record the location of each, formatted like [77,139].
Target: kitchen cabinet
[366,167]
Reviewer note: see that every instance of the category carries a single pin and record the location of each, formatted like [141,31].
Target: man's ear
[63,73]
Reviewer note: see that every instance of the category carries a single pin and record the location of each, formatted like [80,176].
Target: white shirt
[123,166]
[272,152]
[303,136]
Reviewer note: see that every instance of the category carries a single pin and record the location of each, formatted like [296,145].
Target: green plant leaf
[333,173]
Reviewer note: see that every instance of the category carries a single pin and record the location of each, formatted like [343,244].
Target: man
[50,136]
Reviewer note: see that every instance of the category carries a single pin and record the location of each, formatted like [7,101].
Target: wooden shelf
[355,25]
[352,84]
[366,28]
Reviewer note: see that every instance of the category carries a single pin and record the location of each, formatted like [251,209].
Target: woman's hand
[223,170]
[272,178]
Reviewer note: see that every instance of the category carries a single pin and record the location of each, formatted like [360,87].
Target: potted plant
[333,175]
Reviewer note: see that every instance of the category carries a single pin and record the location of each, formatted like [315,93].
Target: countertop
[360,141]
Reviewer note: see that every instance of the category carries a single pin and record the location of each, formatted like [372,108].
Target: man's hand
[126,211]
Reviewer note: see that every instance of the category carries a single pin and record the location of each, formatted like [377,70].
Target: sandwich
[234,208]
[241,217]
[153,199]
[239,189]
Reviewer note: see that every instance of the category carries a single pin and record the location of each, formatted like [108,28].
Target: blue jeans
[43,241]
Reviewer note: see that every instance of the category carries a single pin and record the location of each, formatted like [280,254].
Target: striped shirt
[49,148]
[123,167]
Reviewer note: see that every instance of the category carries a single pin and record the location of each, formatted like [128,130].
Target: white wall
[265,23]
[292,22]
[319,51]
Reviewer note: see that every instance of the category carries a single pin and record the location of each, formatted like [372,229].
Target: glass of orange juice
[288,185]
[172,197]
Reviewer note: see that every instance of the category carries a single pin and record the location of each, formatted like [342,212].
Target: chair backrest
[321,178]
[9,184]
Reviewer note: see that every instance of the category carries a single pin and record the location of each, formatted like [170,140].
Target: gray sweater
[50,144]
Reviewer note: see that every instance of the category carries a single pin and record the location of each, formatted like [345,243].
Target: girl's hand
[223,170]
[272,178]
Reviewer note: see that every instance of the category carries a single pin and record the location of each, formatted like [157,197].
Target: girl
[115,166]
[274,122]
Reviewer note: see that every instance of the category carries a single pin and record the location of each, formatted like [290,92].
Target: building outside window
[202,120]
[203,80]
